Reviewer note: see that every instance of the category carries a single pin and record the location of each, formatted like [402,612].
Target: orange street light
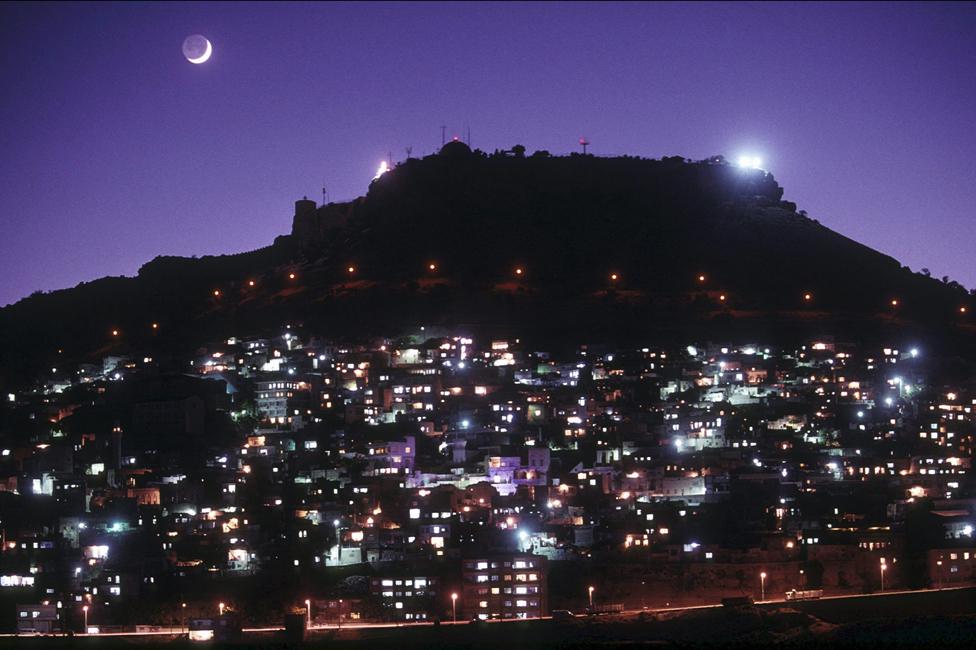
[308,613]
[701,278]
[155,326]
[250,283]
[454,607]
[85,610]
[432,266]
[808,297]
[217,293]
[220,606]
[115,332]
[613,277]
[351,269]
[518,270]
[962,310]
[722,297]
[591,589]
[762,585]
[894,302]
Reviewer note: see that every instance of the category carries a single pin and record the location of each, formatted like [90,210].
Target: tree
[814,572]
[926,273]
[519,151]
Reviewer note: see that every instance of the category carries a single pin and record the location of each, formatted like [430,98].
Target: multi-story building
[406,598]
[279,400]
[505,586]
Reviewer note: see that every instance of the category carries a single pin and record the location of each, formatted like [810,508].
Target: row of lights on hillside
[613,277]
[520,272]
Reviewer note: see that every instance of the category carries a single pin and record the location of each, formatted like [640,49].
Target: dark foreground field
[932,619]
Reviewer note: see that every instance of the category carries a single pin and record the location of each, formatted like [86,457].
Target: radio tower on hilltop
[584,143]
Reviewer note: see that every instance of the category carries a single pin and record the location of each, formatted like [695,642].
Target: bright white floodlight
[750,162]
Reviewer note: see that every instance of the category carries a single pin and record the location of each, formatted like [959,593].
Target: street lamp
[183,619]
[220,606]
[762,586]
[85,610]
[939,564]
[340,613]
[591,596]
[308,613]
[454,607]
[883,567]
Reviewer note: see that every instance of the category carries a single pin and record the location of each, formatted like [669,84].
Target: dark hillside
[608,248]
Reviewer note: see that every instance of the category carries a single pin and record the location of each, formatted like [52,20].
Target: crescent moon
[203,57]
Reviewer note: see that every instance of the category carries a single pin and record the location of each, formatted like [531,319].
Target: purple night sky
[116,149]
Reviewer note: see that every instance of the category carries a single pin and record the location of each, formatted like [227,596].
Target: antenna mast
[584,143]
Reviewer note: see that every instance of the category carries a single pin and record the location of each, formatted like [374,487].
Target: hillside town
[441,476]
